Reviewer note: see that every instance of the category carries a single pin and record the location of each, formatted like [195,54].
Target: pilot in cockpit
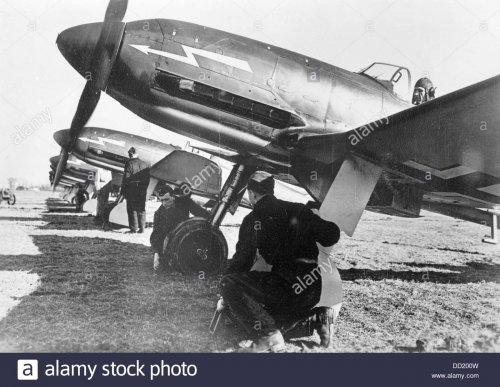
[424,91]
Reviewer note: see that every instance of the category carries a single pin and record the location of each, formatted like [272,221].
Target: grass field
[66,285]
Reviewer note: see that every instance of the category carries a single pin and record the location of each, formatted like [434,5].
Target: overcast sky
[454,42]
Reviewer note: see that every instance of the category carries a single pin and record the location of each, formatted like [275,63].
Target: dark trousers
[262,302]
[103,200]
[136,215]
[80,201]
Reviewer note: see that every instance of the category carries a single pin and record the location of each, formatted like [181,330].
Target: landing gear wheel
[196,246]
[12,200]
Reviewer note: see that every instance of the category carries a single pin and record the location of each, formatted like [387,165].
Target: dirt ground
[425,284]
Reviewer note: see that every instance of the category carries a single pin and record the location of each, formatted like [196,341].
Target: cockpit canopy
[396,79]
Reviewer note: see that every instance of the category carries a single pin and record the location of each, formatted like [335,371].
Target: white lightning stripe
[102,141]
[492,189]
[190,58]
[73,178]
[447,174]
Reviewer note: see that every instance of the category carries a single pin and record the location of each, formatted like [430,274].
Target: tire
[196,246]
[12,200]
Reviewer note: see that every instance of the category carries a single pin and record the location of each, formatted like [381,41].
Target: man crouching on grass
[176,205]
[284,234]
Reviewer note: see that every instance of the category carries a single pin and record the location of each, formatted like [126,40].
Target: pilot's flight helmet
[424,91]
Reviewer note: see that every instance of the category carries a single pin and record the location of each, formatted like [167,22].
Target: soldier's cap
[261,182]
[162,192]
[132,151]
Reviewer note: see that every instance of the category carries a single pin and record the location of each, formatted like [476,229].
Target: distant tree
[45,187]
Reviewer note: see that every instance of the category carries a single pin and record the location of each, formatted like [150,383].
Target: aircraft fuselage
[231,91]
[108,149]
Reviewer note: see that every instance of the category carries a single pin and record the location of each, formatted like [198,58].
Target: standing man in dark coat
[284,234]
[134,189]
[175,209]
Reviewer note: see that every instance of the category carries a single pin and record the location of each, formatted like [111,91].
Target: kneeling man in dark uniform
[176,206]
[284,234]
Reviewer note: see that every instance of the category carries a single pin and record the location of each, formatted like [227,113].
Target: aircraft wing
[203,175]
[451,144]
[443,155]
[218,152]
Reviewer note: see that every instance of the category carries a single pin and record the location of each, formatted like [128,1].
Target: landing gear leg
[197,244]
[494,231]
[231,193]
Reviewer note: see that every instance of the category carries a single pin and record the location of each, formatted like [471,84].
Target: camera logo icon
[27,370]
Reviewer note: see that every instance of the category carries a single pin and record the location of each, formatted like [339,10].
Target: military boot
[141,219]
[323,323]
[271,342]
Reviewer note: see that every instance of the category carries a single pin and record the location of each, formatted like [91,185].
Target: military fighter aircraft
[350,139]
[107,149]
[76,173]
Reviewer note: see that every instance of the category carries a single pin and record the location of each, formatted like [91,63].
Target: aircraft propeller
[95,55]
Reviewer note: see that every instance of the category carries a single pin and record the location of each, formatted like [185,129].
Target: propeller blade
[108,45]
[116,11]
[86,106]
[105,53]
[61,166]
[103,58]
